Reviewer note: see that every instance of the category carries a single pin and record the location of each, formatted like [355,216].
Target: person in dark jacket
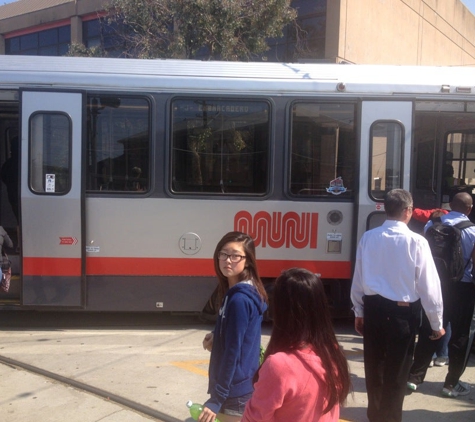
[9,175]
[236,339]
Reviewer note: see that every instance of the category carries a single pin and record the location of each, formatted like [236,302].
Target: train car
[128,172]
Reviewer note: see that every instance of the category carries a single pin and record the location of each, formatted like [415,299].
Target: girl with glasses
[236,339]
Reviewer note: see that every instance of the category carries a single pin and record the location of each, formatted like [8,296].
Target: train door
[52,199]
[9,189]
[444,136]
[384,157]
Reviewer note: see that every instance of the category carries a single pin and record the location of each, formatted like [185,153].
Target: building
[402,32]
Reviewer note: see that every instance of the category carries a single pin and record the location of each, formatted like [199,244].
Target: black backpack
[446,247]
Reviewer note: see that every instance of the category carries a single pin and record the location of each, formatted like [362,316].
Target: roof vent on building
[445,88]
[464,89]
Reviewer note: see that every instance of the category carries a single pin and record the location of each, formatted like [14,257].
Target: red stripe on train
[170,267]
[66,267]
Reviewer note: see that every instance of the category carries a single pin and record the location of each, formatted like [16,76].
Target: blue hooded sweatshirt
[236,345]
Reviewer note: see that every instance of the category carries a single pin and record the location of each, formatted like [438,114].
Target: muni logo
[277,230]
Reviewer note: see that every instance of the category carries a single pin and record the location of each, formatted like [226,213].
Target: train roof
[231,77]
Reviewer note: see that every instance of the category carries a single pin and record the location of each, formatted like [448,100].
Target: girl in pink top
[305,375]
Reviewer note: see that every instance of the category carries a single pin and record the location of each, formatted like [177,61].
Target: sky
[469,3]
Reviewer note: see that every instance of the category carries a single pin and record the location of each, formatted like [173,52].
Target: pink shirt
[291,387]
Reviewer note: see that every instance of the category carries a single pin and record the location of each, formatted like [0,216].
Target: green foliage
[80,50]
[205,29]
[261,354]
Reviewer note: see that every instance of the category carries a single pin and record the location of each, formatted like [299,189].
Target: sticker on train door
[50,183]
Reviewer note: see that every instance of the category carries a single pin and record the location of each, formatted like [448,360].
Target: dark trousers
[458,307]
[459,301]
[424,352]
[389,339]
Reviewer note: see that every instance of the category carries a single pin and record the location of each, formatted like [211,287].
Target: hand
[437,334]
[359,325]
[208,342]
[207,415]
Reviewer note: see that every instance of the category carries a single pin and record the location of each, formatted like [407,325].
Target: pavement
[114,368]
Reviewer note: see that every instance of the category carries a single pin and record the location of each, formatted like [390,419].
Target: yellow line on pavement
[192,366]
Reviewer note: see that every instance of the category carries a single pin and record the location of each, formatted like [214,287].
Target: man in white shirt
[394,275]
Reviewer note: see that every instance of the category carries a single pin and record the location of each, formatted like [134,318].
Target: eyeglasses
[223,256]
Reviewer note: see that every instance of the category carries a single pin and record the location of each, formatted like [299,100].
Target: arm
[7,241]
[428,288]
[421,215]
[208,341]
[359,325]
[357,293]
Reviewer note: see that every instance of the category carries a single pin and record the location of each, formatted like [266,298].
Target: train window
[50,153]
[323,149]
[459,164]
[386,158]
[220,146]
[118,144]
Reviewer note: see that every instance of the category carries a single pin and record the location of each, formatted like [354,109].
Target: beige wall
[411,32]
[52,14]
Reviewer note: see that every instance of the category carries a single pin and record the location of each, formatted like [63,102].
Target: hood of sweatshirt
[247,288]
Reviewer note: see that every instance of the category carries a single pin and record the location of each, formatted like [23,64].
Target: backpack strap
[464,224]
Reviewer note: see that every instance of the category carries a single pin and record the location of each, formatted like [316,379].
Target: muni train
[128,172]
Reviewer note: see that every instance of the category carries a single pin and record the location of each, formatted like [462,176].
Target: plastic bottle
[196,409]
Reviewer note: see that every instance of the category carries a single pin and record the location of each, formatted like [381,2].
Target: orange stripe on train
[121,266]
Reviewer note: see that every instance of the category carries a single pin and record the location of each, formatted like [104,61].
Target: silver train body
[130,171]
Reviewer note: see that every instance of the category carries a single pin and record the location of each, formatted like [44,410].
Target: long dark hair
[302,319]
[250,271]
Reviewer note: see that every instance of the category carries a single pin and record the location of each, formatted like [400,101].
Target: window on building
[323,150]
[100,33]
[50,153]
[220,146]
[310,42]
[50,42]
[118,144]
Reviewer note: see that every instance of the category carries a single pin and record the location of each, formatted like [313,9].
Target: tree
[204,29]
[80,50]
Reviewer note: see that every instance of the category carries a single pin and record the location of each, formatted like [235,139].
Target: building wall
[412,32]
[402,32]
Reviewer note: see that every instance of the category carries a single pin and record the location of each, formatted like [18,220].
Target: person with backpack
[452,241]
[394,278]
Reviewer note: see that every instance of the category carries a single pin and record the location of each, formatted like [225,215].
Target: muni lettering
[278,230]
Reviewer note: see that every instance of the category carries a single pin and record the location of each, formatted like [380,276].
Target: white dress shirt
[396,263]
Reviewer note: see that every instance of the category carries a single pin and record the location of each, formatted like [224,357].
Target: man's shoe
[411,386]
[460,389]
[441,361]
[431,364]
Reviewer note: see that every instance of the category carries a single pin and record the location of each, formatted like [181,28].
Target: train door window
[459,164]
[50,153]
[118,144]
[386,158]
[323,150]
[220,146]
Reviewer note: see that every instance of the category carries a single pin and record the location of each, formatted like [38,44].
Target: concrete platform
[158,363]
